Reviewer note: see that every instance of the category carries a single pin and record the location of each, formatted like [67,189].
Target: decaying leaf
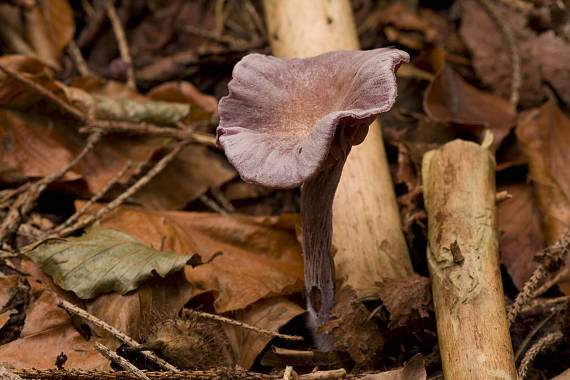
[449,99]
[354,333]
[413,370]
[270,314]
[104,260]
[189,175]
[545,136]
[48,330]
[261,256]
[520,234]
[406,298]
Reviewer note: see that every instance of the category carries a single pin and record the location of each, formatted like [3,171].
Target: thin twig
[513,46]
[233,43]
[124,363]
[549,340]
[26,201]
[77,57]
[222,200]
[71,308]
[160,165]
[212,204]
[233,322]
[108,126]
[219,12]
[121,42]
[552,257]
[531,335]
[550,283]
[93,199]
[59,103]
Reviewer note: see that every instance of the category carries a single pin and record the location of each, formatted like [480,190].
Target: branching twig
[71,308]
[161,164]
[57,102]
[549,340]
[121,41]
[108,126]
[552,257]
[26,201]
[93,199]
[77,57]
[513,46]
[531,335]
[124,363]
[233,322]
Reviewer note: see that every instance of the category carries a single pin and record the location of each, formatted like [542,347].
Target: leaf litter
[457,86]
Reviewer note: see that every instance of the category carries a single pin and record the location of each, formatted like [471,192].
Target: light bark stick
[462,255]
[368,243]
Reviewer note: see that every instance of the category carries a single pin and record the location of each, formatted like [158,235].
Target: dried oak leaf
[354,333]
[520,234]
[545,136]
[449,99]
[260,258]
[47,331]
[544,57]
[270,314]
[406,298]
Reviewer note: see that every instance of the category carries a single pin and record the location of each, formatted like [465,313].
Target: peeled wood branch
[368,242]
[462,254]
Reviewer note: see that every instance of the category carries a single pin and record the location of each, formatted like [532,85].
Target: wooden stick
[367,238]
[462,255]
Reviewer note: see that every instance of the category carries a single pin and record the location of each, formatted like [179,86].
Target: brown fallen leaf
[260,258]
[449,99]
[413,370]
[354,333]
[48,330]
[406,298]
[544,57]
[269,314]
[545,136]
[190,174]
[520,234]
[48,27]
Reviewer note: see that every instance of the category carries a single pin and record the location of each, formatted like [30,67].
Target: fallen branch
[462,255]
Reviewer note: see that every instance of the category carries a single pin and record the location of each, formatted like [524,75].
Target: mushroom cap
[280,117]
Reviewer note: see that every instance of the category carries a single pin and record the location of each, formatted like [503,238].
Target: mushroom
[289,121]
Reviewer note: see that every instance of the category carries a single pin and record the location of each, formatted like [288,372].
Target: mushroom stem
[316,210]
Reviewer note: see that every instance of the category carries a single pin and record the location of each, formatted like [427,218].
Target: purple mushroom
[289,121]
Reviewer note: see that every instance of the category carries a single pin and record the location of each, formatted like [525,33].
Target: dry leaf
[48,330]
[406,298]
[545,137]
[353,332]
[189,175]
[105,260]
[270,314]
[260,258]
[449,99]
[520,234]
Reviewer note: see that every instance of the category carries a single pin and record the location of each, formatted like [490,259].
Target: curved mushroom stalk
[316,210]
[289,121]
